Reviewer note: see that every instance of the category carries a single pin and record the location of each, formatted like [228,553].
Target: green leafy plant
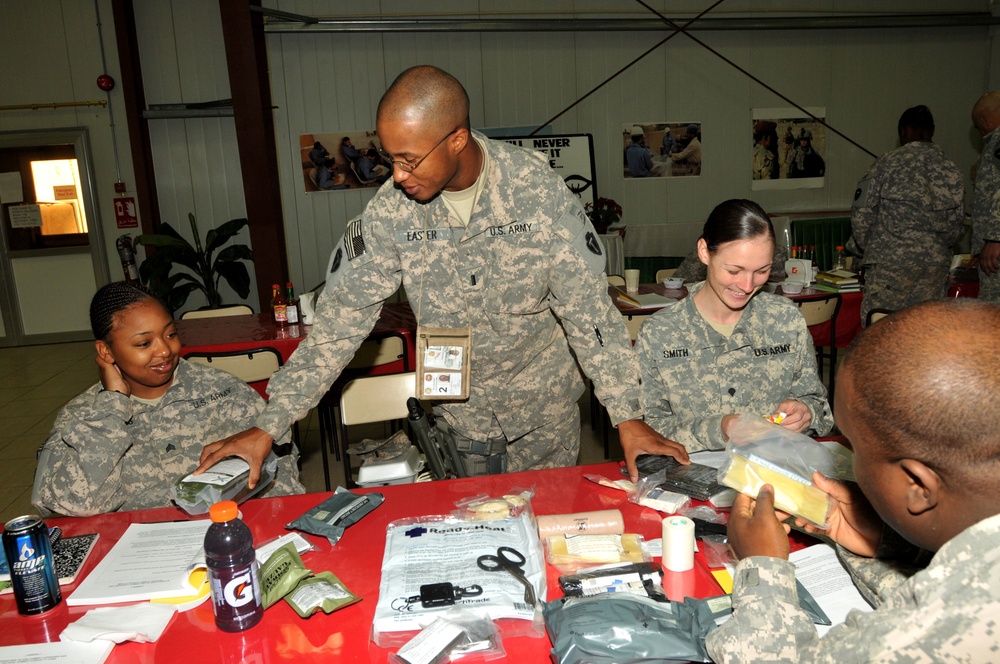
[203,272]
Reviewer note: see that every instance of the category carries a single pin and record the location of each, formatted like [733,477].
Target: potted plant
[603,214]
[204,271]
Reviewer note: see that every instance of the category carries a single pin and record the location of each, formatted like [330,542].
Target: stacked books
[837,281]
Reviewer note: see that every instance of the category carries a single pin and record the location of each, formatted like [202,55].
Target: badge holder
[443,358]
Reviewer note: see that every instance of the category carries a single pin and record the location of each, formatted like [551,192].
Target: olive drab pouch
[444,356]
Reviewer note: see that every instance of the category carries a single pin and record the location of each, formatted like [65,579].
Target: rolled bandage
[678,543]
[602,522]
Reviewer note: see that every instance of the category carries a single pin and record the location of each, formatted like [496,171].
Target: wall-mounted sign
[126,213]
[25,216]
[570,155]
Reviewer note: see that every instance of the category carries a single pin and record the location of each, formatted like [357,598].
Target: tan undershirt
[462,203]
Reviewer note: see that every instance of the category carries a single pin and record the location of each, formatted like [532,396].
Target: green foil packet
[280,574]
[322,591]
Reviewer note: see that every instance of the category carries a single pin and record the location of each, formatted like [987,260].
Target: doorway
[52,253]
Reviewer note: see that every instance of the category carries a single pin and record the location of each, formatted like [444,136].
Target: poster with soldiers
[341,161]
[661,149]
[789,148]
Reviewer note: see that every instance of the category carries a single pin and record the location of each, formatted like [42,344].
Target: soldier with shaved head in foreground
[483,235]
[915,400]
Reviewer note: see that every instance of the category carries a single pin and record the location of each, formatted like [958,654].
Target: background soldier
[986,198]
[908,211]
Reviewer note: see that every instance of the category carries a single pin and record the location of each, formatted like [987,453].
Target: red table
[343,636]
[848,319]
[247,332]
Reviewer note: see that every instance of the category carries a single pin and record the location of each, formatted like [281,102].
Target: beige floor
[35,382]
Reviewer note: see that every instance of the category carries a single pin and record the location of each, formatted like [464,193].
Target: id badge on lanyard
[444,356]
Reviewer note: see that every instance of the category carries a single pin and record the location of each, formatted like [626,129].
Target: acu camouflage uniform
[109,452]
[765,163]
[986,211]
[527,275]
[908,210]
[692,376]
[947,612]
[692,269]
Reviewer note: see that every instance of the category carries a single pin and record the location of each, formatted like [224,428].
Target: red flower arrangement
[604,213]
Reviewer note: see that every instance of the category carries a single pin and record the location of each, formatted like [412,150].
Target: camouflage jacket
[986,196]
[909,209]
[108,452]
[765,164]
[527,275]
[947,612]
[692,376]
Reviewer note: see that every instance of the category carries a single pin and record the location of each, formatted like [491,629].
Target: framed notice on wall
[570,155]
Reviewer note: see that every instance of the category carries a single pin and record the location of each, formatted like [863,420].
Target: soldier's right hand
[989,257]
[252,445]
[111,377]
[852,523]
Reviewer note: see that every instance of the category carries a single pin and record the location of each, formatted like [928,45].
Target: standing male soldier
[482,234]
[986,198]
[908,211]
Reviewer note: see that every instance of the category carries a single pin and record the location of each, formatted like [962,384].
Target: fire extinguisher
[127,255]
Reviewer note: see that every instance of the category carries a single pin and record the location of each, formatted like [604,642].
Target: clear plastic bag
[764,453]
[650,493]
[226,480]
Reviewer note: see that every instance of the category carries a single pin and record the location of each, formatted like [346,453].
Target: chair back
[378,352]
[819,310]
[616,280]
[663,274]
[376,398]
[232,310]
[249,366]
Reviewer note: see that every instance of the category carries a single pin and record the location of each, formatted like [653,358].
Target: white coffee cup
[632,281]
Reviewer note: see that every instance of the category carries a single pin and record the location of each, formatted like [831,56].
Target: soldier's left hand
[797,415]
[754,528]
[637,438]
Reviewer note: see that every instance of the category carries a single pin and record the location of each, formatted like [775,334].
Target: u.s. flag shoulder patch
[354,240]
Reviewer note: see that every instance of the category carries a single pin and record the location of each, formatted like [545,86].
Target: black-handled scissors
[509,560]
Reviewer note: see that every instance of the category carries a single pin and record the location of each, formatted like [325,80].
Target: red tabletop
[247,332]
[848,319]
[344,635]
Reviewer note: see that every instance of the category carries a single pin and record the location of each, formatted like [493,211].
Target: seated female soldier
[123,443]
[728,348]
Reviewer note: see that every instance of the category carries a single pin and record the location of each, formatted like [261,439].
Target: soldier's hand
[754,528]
[111,378]
[852,523]
[251,445]
[989,257]
[797,415]
[637,438]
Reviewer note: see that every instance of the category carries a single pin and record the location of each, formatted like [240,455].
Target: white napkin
[138,622]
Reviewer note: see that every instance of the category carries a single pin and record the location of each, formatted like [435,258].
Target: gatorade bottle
[232,570]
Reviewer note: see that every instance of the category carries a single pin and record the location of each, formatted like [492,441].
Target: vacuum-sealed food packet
[323,591]
[226,480]
[763,453]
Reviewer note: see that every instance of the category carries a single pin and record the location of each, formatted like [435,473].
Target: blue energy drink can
[32,569]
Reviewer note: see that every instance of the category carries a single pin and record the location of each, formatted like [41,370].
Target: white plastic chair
[231,310]
[373,399]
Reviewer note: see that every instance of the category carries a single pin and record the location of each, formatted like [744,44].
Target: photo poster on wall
[661,149]
[570,155]
[342,160]
[789,148]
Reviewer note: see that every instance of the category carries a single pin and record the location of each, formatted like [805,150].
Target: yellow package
[793,494]
[569,553]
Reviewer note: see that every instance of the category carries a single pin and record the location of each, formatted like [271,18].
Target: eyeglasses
[409,168]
